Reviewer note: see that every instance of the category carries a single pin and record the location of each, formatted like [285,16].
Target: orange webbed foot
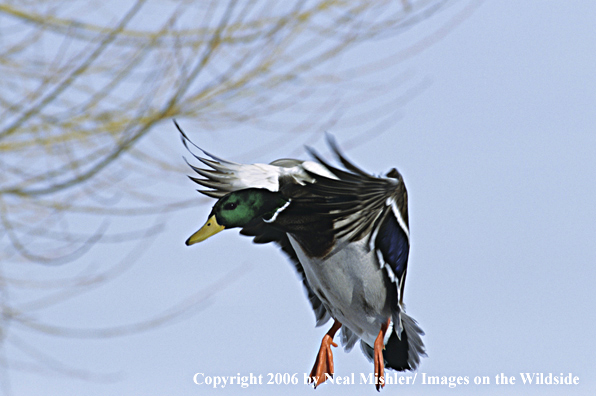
[379,361]
[323,366]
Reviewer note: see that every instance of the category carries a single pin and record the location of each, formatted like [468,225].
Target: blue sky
[499,156]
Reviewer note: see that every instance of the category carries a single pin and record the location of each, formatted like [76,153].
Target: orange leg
[379,361]
[324,363]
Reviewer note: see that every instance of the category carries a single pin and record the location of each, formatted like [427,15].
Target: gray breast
[352,287]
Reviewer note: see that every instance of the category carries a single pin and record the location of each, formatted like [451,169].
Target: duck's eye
[230,206]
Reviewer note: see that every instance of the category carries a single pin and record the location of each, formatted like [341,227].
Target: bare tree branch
[84,87]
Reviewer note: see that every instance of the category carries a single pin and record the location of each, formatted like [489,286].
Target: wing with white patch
[227,176]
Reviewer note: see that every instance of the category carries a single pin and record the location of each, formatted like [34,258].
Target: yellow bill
[209,229]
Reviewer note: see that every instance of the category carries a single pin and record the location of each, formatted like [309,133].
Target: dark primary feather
[215,179]
[357,194]
[360,206]
[349,166]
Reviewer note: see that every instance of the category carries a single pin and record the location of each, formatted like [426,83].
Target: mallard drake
[347,234]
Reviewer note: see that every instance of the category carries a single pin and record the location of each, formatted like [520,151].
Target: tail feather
[404,352]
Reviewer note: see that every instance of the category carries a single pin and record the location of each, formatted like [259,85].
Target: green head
[237,209]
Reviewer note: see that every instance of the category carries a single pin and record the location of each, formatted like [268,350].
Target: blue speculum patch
[393,243]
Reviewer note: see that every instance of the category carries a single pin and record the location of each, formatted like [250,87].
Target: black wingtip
[312,152]
[177,126]
[331,141]
[183,138]
[182,134]
[342,158]
[336,171]
[186,140]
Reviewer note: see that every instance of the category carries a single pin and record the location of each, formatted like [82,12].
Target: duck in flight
[345,231]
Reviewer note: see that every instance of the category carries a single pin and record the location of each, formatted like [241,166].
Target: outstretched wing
[226,176]
[364,206]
